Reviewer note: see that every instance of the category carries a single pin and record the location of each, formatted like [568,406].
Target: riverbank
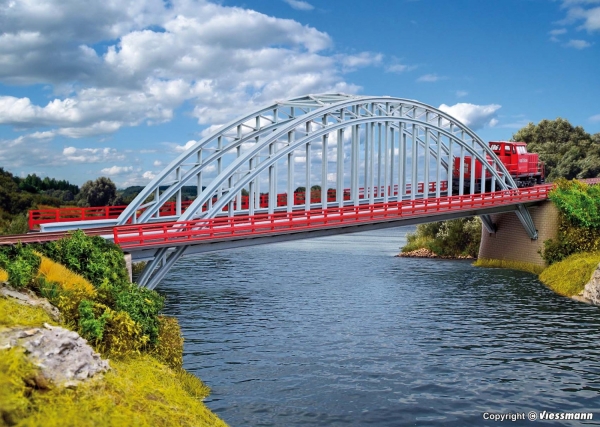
[84,346]
[426,253]
[135,388]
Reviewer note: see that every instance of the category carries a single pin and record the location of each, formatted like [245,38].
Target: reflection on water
[337,331]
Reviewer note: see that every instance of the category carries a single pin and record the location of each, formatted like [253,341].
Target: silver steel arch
[320,115]
[381,148]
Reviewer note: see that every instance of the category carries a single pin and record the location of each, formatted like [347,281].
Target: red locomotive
[525,168]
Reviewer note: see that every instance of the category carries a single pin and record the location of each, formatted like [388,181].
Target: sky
[119,88]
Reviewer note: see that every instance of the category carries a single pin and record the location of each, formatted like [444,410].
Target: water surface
[337,331]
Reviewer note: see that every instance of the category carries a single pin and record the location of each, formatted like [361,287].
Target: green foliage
[94,258]
[569,276]
[579,220]
[579,202]
[567,151]
[169,348]
[21,263]
[102,263]
[101,192]
[457,237]
[141,304]
[18,225]
[91,325]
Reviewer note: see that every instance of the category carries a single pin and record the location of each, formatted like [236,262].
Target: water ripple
[336,331]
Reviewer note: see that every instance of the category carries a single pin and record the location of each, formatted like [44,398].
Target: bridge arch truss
[350,149]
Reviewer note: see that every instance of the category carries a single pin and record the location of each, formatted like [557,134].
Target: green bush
[94,258]
[91,323]
[143,305]
[457,237]
[169,348]
[579,202]
[579,221]
[21,263]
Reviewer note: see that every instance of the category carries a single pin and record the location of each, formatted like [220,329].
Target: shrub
[92,318]
[21,263]
[122,336]
[569,276]
[3,275]
[169,348]
[447,238]
[94,258]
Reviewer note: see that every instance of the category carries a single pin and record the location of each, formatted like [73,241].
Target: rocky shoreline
[426,253]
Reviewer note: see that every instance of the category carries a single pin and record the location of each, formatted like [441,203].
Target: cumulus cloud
[116,170]
[473,116]
[578,44]
[579,12]
[156,56]
[91,155]
[299,5]
[430,78]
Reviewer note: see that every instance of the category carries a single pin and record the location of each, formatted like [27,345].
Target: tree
[567,151]
[101,192]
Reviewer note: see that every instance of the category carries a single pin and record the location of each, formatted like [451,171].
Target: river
[337,331]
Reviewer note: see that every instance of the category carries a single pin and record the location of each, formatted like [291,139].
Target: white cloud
[116,170]
[182,148]
[595,118]
[299,5]
[363,59]
[558,32]
[148,175]
[399,68]
[91,155]
[578,44]
[156,56]
[157,163]
[473,116]
[461,93]
[590,17]
[430,78]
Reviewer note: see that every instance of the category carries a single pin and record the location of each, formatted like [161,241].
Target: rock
[27,297]
[64,358]
[426,253]
[591,291]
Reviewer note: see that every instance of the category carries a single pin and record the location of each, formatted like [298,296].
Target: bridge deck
[221,228]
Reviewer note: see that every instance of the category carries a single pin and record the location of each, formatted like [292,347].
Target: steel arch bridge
[351,150]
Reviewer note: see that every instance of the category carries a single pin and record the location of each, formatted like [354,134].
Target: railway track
[37,237]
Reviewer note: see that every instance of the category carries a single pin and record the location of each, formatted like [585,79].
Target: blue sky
[93,88]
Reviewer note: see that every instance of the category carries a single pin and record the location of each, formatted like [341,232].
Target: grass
[569,276]
[68,280]
[139,391]
[15,314]
[513,265]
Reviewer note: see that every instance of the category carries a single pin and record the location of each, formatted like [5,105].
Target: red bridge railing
[45,216]
[222,228]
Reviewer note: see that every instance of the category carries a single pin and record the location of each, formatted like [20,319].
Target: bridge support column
[511,241]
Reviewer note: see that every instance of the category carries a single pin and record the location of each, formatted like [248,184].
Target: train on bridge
[525,168]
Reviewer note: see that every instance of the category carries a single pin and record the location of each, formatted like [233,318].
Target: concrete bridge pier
[510,240]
